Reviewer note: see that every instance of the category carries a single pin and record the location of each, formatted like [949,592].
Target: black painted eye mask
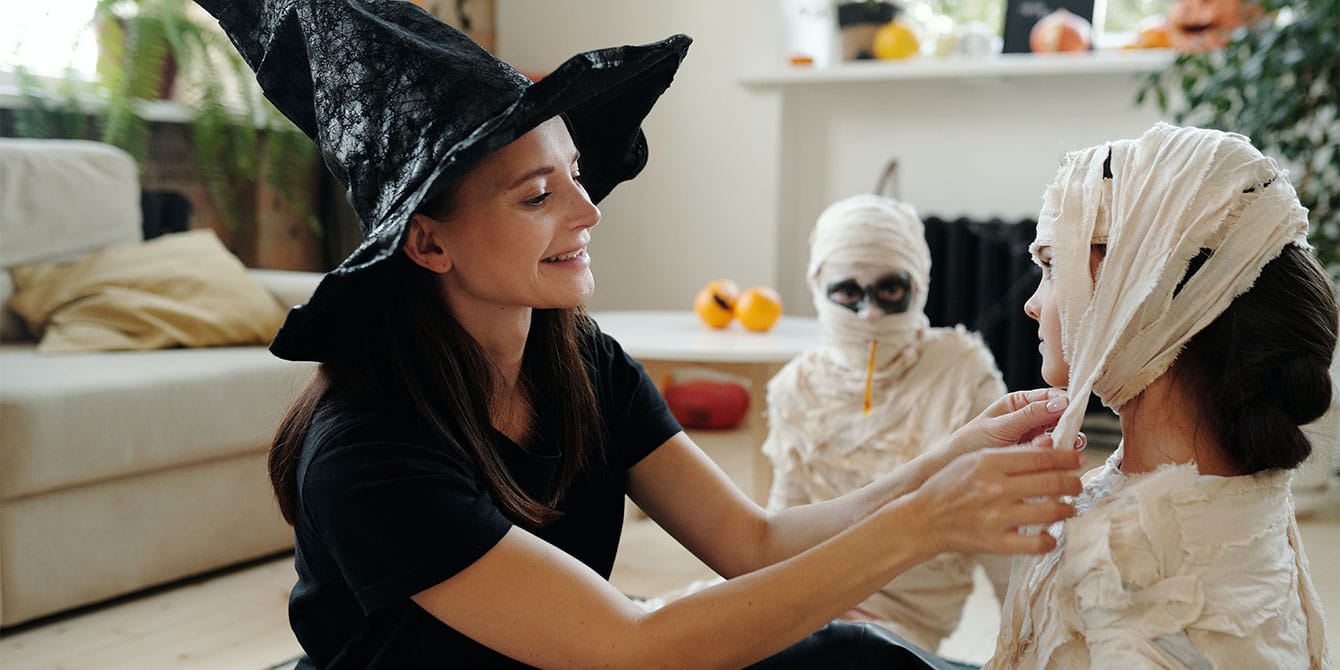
[890,294]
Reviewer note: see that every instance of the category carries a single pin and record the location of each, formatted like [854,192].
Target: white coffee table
[663,341]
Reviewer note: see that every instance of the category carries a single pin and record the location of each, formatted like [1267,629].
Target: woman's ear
[423,245]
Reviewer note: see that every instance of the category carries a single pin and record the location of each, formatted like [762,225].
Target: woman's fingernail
[1081,441]
[1057,404]
[1043,440]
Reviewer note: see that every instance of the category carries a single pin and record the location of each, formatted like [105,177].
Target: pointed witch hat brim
[401,104]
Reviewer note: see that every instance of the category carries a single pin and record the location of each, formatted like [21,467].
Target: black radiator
[981,276]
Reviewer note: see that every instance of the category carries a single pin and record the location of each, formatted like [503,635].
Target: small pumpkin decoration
[759,308]
[1202,25]
[1151,33]
[715,302]
[896,40]
[1060,31]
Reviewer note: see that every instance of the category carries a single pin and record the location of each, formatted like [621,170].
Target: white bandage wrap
[1172,192]
[924,383]
[879,231]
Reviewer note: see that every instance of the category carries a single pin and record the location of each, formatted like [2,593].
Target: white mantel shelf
[1000,66]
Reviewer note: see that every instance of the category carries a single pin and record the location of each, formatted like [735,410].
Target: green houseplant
[1275,82]
[150,48]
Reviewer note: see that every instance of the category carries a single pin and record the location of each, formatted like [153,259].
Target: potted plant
[1275,82]
[147,50]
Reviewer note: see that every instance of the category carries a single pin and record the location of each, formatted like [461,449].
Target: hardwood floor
[237,620]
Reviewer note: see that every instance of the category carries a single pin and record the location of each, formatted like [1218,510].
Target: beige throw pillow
[184,289]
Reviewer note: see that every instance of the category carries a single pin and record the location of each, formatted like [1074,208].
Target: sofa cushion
[64,198]
[60,199]
[184,289]
[12,328]
[290,287]
[78,546]
[78,418]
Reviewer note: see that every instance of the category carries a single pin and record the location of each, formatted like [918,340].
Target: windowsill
[159,111]
[1002,66]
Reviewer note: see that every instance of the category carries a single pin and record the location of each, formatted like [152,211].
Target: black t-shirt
[384,512]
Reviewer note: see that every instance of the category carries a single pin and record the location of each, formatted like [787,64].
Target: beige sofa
[122,470]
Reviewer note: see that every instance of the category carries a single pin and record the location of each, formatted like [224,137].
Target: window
[1115,21]
[48,37]
[1124,16]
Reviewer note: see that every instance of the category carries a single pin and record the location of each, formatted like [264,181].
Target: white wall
[706,205]
[738,173]
[965,147]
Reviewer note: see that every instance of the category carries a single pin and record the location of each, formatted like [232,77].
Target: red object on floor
[707,404]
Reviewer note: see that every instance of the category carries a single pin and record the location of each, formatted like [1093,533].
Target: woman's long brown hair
[415,354]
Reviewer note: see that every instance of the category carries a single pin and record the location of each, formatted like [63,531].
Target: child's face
[869,290]
[1041,307]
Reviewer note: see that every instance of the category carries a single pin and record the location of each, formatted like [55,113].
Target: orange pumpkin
[895,40]
[1060,31]
[759,308]
[715,303]
[1151,33]
[1201,25]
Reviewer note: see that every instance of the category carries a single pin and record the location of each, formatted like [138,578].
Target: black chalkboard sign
[1020,15]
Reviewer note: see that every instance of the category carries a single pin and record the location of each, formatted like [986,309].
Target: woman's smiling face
[517,234]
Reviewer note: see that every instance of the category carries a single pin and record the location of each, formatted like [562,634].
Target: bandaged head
[886,306]
[1155,203]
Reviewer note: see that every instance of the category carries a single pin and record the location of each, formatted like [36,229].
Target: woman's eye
[538,200]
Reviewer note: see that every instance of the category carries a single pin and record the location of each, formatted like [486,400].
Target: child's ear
[423,244]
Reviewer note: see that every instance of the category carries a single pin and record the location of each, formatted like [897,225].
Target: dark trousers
[843,645]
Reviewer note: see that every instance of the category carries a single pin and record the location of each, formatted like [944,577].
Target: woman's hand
[978,502]
[984,494]
[1021,417]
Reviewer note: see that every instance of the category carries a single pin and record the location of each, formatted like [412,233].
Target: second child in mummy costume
[882,388]
[1178,286]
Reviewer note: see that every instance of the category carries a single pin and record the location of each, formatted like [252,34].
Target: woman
[1178,286]
[881,388]
[456,473]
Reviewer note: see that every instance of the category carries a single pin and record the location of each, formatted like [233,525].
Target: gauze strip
[880,231]
[1172,193]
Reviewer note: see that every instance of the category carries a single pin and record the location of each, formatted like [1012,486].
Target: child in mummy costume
[882,388]
[1178,286]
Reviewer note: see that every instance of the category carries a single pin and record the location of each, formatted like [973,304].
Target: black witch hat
[400,104]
